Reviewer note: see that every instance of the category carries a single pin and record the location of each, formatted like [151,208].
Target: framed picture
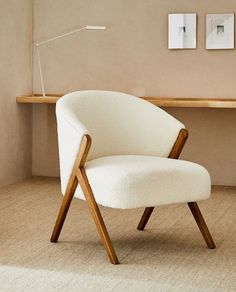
[182,30]
[220,31]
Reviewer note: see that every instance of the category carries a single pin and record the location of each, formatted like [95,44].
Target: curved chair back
[119,124]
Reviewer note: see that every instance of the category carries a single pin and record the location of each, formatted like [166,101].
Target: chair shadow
[147,248]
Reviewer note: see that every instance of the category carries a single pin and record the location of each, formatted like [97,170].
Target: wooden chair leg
[201,224]
[71,186]
[97,217]
[64,209]
[146,215]
[174,154]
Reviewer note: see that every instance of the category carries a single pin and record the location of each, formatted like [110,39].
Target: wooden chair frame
[78,175]
[174,154]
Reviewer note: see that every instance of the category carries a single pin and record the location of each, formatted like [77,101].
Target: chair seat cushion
[131,181]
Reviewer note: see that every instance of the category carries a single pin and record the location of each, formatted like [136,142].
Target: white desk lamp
[37,45]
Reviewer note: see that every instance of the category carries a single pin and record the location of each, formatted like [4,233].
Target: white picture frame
[220,31]
[182,31]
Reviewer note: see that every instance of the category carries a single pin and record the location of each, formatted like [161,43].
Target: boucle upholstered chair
[132,162]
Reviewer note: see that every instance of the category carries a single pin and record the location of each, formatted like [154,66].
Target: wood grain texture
[193,206]
[78,175]
[193,102]
[97,217]
[174,153]
[71,187]
[34,99]
[179,144]
[145,217]
[158,101]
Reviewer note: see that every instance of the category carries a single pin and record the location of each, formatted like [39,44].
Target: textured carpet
[169,256]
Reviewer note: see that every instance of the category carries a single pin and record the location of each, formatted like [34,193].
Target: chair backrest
[119,124]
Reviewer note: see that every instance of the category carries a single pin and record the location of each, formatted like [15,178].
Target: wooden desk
[158,101]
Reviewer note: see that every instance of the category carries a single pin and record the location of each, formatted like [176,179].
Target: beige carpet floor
[169,256]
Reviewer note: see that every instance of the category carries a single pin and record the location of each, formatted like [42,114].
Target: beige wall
[132,56]
[15,79]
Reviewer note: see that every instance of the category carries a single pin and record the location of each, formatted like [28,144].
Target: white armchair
[132,162]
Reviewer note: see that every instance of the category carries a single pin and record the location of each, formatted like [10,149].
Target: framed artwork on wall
[220,31]
[182,31]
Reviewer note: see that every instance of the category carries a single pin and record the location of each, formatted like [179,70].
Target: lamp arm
[37,45]
[60,36]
